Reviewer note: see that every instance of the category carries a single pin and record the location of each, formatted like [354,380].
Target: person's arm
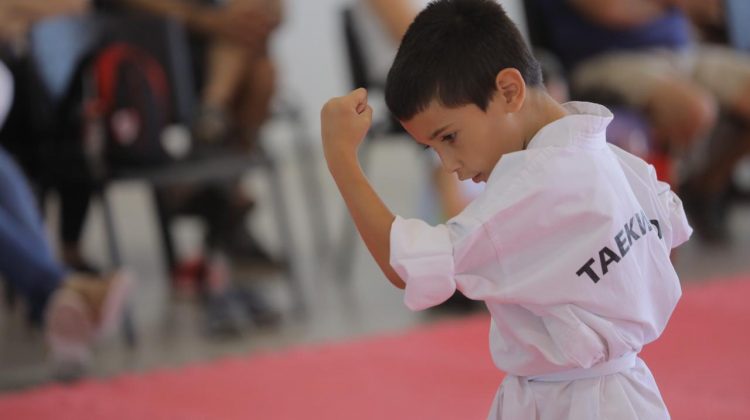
[248,24]
[622,13]
[16,16]
[38,9]
[344,124]
[396,16]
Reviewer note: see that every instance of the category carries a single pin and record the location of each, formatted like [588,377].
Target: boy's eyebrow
[439,130]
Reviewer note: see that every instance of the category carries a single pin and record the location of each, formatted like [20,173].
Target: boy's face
[468,140]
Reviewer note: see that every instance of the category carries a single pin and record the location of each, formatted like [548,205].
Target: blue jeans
[26,259]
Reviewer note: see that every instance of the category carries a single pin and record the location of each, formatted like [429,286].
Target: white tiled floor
[170,328]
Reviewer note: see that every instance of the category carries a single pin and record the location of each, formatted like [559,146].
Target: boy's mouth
[477,178]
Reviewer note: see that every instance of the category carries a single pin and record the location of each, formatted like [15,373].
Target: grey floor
[171,326]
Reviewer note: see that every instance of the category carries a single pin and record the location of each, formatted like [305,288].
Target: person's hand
[344,122]
[13,25]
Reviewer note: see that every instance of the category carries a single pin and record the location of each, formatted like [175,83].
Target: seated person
[67,175]
[236,79]
[643,51]
[73,308]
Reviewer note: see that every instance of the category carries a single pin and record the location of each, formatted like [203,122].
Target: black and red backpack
[126,102]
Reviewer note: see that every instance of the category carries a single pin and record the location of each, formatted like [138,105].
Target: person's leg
[680,111]
[27,266]
[16,196]
[448,188]
[26,259]
[224,70]
[726,73]
[254,103]
[75,198]
[225,64]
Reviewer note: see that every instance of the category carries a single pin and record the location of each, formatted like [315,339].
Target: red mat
[438,372]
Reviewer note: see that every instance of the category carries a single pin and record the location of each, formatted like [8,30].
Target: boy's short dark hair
[452,52]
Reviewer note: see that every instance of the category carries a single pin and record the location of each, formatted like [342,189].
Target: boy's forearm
[371,216]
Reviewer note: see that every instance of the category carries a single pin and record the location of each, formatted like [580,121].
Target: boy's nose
[450,164]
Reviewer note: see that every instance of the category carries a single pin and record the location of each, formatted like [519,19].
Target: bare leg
[254,104]
[704,191]
[448,188]
[681,113]
[227,64]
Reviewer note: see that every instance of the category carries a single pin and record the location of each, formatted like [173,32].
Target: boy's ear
[511,89]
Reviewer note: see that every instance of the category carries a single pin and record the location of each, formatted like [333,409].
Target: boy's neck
[541,110]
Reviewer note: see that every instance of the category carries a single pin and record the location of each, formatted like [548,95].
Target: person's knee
[264,75]
[700,115]
[684,113]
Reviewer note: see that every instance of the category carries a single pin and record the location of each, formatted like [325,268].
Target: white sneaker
[73,321]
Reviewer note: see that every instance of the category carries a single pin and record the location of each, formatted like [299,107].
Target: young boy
[568,245]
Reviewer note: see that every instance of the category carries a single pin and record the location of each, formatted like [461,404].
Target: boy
[569,243]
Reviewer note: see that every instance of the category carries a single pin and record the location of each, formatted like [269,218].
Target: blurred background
[181,141]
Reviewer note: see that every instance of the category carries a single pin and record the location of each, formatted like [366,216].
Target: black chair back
[358,68]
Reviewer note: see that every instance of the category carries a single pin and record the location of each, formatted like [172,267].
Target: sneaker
[82,310]
[259,308]
[243,249]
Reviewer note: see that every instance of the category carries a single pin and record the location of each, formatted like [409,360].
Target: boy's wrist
[335,150]
[341,160]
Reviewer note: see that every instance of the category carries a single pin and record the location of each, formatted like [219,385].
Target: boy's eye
[450,138]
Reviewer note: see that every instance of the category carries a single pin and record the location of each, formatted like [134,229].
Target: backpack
[126,106]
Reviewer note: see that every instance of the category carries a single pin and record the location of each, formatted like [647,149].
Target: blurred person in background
[73,308]
[236,79]
[236,75]
[68,175]
[644,51]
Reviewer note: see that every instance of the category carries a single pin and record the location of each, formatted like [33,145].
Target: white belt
[609,367]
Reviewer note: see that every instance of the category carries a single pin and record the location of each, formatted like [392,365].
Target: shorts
[634,76]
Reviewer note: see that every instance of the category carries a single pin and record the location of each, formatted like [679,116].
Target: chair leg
[312,188]
[283,220]
[128,325]
[164,230]
[109,226]
[348,242]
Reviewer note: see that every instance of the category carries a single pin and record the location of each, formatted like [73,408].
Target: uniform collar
[584,126]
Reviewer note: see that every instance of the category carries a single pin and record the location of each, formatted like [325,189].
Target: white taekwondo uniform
[569,247]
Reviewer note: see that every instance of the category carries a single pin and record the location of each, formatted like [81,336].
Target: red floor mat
[437,372]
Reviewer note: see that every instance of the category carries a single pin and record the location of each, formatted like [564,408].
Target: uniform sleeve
[680,229]
[423,256]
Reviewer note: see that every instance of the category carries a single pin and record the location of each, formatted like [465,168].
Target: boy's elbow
[395,279]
